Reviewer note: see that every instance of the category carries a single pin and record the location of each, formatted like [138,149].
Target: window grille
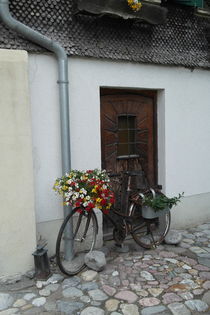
[126,146]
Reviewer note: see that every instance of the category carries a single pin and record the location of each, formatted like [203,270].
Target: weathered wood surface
[113,106]
[153,14]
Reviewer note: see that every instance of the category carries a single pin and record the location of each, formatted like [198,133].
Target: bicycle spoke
[139,227]
[86,226]
[152,237]
[78,225]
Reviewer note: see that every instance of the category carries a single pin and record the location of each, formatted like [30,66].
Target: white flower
[85,204]
[82,196]
[68,194]
[83,191]
[87,197]
[75,196]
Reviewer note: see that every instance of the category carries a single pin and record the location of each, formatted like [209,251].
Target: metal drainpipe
[60,53]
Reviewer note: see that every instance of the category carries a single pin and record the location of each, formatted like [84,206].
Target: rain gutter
[62,59]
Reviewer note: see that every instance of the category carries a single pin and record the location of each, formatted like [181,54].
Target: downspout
[62,59]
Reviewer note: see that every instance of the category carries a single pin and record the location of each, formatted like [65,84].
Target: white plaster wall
[17,217]
[183,124]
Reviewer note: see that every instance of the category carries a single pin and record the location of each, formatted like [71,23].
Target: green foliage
[161,202]
[192,3]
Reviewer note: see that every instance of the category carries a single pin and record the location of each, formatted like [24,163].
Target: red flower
[90,206]
[112,200]
[79,210]
[78,204]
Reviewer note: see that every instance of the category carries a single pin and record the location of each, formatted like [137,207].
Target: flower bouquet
[135,5]
[86,189]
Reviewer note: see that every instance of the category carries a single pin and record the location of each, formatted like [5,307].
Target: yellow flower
[134,4]
[98,200]
[94,190]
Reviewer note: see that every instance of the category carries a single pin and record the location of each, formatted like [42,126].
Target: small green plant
[161,202]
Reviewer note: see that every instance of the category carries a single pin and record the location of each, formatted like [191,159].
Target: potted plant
[157,204]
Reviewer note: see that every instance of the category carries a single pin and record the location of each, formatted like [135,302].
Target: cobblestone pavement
[168,280]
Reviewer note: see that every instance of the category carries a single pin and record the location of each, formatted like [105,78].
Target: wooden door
[128,134]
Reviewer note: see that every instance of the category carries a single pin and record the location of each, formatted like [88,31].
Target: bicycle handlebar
[129,173]
[114,174]
[133,173]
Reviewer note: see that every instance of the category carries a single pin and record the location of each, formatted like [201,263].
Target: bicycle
[148,233]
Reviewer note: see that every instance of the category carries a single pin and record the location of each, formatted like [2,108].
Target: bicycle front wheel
[148,233]
[85,229]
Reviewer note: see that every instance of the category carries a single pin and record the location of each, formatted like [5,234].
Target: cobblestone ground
[168,280]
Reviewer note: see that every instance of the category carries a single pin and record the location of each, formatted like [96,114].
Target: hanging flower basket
[125,9]
[155,205]
[86,189]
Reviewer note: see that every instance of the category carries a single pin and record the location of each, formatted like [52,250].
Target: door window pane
[126,135]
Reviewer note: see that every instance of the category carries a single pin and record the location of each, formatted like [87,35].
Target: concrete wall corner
[17,221]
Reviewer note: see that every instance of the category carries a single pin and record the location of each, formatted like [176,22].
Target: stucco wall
[17,222]
[183,128]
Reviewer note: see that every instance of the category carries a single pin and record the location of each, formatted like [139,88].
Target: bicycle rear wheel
[85,229]
[148,233]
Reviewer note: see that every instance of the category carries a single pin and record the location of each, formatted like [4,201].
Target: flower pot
[150,213]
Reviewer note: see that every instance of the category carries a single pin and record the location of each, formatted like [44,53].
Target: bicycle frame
[130,197]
